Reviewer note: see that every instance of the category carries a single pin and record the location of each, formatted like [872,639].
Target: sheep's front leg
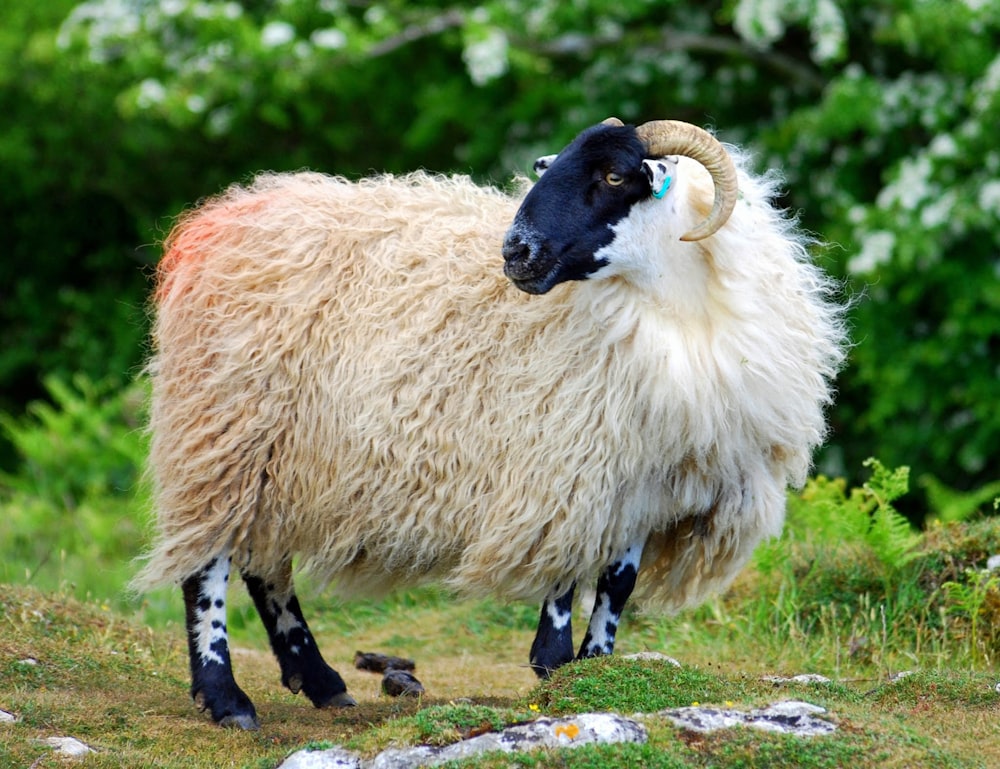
[302,666]
[213,687]
[553,644]
[613,590]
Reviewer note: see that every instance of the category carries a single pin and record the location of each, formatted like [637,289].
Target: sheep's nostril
[516,250]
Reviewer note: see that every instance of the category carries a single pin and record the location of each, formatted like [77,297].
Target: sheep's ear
[543,163]
[661,173]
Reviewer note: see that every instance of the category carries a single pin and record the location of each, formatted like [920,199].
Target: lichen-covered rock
[328,758]
[585,729]
[788,717]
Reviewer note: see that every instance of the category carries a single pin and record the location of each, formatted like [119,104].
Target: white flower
[759,21]
[151,93]
[486,58]
[829,32]
[938,211]
[330,39]
[876,249]
[276,33]
[989,197]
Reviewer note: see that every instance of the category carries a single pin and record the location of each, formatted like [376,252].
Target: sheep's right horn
[612,121]
[673,137]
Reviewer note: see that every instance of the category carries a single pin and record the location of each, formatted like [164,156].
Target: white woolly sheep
[343,376]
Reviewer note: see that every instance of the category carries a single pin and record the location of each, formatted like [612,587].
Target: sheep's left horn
[673,137]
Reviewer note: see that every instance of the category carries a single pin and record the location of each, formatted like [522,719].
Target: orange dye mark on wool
[195,232]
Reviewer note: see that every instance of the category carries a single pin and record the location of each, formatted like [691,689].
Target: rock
[396,683]
[788,717]
[652,656]
[585,729]
[68,746]
[7,718]
[330,758]
[993,562]
[802,678]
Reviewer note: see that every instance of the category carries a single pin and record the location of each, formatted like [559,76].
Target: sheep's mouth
[531,280]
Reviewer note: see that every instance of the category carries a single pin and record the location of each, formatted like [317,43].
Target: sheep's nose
[515,249]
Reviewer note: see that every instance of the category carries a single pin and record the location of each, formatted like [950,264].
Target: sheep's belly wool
[343,375]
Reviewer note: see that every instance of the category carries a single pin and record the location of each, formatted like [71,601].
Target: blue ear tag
[658,194]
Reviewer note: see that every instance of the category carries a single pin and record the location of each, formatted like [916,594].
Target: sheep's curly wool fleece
[342,374]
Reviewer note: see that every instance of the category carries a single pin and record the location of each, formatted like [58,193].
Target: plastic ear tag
[658,194]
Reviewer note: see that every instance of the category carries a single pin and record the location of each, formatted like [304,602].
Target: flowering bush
[881,113]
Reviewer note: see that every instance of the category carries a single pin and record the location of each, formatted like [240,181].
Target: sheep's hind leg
[553,644]
[302,666]
[213,687]
[613,590]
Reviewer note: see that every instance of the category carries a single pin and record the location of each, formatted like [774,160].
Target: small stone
[68,746]
[652,656]
[801,678]
[993,562]
[28,661]
[7,718]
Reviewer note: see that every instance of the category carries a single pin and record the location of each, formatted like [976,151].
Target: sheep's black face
[567,217]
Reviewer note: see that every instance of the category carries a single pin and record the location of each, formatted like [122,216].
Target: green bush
[72,517]
[882,116]
[850,571]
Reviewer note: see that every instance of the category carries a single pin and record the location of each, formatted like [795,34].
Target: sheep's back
[322,351]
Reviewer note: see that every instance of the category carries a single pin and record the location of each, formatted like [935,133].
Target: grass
[121,687]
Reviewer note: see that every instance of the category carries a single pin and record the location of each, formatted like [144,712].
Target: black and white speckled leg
[212,684]
[302,666]
[613,590]
[553,644]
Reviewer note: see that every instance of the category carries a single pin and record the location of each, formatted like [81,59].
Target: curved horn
[612,121]
[673,137]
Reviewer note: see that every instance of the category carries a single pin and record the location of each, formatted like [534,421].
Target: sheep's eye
[615,180]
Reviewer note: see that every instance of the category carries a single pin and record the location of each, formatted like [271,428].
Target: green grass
[122,688]
[850,591]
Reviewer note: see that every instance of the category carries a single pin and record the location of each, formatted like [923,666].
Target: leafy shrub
[851,568]
[882,114]
[71,517]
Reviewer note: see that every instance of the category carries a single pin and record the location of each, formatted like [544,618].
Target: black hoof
[342,700]
[322,685]
[229,707]
[549,653]
[247,723]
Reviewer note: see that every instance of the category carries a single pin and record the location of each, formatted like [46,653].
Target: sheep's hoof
[245,721]
[229,707]
[342,700]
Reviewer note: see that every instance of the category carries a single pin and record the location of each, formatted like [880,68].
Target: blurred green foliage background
[882,116]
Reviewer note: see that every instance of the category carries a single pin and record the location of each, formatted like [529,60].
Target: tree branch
[665,40]
[434,26]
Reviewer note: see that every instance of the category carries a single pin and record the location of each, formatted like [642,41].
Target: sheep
[343,376]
